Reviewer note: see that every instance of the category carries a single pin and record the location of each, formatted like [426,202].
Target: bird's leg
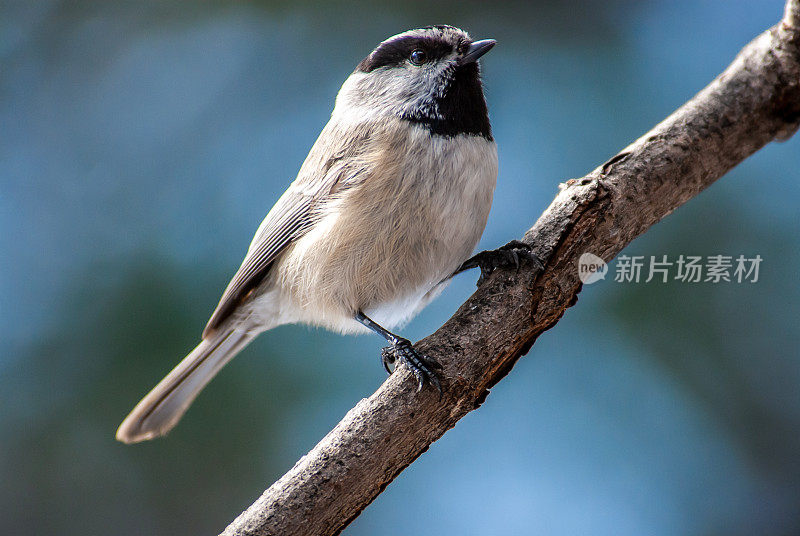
[502,257]
[401,349]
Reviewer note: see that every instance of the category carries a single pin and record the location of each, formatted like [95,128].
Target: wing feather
[291,221]
[326,171]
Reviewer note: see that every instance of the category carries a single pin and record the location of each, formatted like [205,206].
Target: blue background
[141,143]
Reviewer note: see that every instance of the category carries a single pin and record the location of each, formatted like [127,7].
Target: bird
[389,204]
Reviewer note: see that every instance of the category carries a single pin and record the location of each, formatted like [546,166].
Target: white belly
[386,244]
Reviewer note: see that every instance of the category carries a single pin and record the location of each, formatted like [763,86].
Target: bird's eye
[418,57]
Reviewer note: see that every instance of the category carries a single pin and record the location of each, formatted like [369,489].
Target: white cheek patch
[397,91]
[431,87]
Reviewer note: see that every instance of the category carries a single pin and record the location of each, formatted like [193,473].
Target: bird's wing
[327,170]
[287,221]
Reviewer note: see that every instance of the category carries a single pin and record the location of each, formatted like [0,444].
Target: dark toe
[420,365]
[388,358]
[516,244]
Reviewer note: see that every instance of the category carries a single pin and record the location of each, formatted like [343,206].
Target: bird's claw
[421,366]
[504,257]
[387,359]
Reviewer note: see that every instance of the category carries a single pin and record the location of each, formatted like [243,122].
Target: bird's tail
[163,407]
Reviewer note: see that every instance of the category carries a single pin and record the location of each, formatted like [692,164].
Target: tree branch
[756,100]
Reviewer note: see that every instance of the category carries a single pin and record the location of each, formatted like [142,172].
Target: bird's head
[428,76]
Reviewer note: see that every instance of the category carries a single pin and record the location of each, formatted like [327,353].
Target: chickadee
[387,207]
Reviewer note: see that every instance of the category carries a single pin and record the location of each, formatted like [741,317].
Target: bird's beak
[476,50]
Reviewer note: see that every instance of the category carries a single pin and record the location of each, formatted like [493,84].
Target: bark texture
[753,102]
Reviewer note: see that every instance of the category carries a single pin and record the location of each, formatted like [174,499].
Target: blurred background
[141,143]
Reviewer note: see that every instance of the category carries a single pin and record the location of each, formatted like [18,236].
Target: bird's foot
[422,366]
[503,257]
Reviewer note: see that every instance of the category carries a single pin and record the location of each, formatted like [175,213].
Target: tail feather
[162,408]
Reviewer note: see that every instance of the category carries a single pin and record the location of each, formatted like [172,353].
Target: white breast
[385,245]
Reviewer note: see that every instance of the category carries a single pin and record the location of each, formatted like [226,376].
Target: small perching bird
[388,206]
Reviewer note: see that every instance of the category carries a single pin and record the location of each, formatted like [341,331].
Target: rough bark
[754,101]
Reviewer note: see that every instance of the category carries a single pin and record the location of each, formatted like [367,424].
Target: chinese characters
[687,269]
